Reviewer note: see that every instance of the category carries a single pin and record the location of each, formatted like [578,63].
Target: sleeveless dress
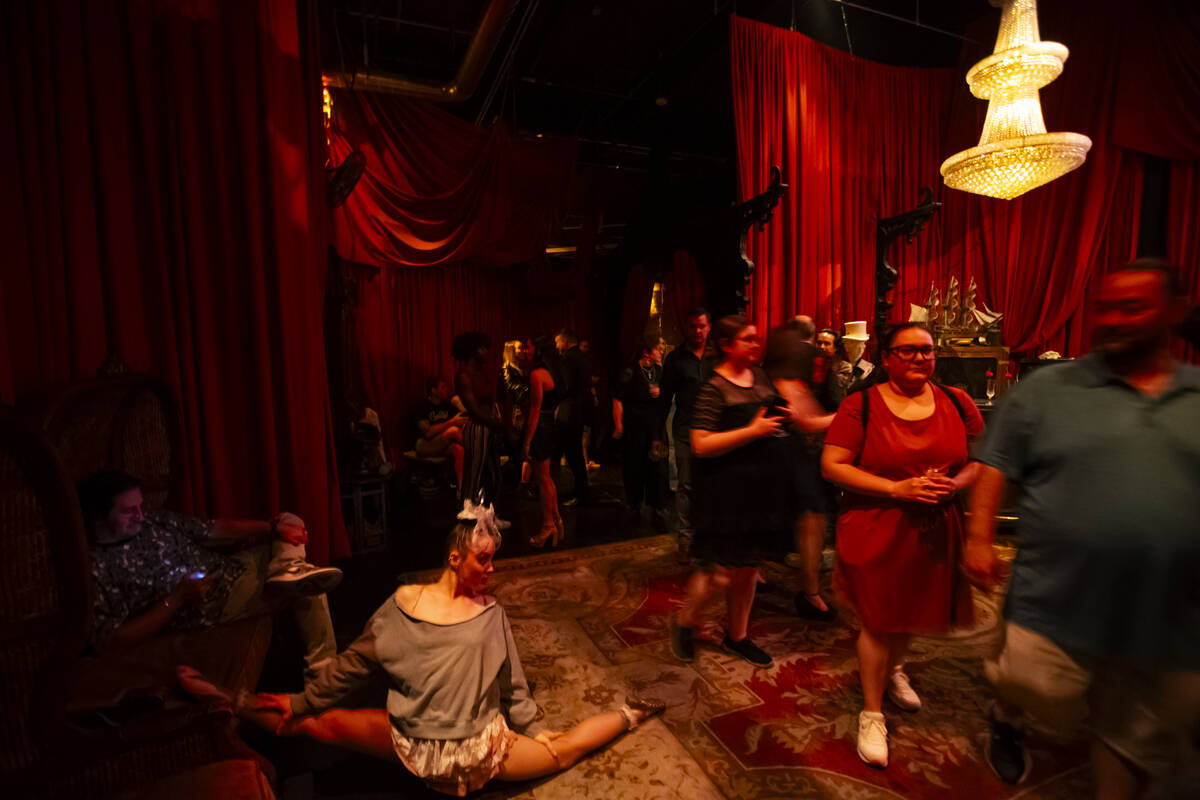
[745,500]
[897,562]
[541,446]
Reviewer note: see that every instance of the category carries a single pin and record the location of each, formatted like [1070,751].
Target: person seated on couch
[156,571]
[439,425]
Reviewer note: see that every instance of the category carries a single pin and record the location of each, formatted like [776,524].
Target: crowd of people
[771,434]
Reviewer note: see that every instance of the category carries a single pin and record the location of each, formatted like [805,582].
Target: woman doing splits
[899,450]
[458,711]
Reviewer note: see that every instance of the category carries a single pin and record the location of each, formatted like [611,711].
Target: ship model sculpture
[955,322]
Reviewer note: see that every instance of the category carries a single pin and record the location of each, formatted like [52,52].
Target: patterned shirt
[130,576]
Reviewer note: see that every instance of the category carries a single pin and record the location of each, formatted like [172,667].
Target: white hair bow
[485,518]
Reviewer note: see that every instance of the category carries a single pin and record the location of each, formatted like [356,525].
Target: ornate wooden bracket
[727,270]
[887,231]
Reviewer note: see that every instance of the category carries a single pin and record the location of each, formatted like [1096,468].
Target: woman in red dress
[902,464]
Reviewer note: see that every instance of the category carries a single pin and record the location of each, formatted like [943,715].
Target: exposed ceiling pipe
[464,83]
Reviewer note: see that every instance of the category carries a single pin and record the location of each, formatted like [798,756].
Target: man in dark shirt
[574,412]
[684,372]
[789,358]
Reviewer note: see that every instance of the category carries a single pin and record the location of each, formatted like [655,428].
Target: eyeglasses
[909,352]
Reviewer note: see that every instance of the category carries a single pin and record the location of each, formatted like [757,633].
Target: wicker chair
[65,731]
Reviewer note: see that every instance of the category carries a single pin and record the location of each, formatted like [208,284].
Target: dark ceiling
[643,84]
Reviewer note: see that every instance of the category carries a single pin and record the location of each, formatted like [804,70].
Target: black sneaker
[749,651]
[806,610]
[683,642]
[1006,754]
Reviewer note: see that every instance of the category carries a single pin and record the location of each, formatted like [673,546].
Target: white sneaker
[900,691]
[872,739]
[305,579]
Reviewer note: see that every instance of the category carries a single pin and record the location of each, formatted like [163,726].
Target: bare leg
[811,541]
[1113,776]
[457,453]
[874,655]
[531,759]
[701,589]
[364,730]
[898,649]
[548,495]
[743,582]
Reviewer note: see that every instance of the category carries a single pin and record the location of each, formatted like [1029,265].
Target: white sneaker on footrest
[305,579]
[900,691]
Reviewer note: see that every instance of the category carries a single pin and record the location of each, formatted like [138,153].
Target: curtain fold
[162,206]
[407,318]
[1183,236]
[438,190]
[856,139]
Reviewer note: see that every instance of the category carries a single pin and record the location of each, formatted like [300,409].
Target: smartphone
[777,407]
[198,575]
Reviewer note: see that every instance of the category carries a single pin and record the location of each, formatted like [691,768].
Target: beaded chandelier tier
[1015,154]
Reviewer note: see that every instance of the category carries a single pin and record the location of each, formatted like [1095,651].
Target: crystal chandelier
[1015,154]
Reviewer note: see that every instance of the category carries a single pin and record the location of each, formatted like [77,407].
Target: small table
[364,507]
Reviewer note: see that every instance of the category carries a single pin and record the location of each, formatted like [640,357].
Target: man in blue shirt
[1102,611]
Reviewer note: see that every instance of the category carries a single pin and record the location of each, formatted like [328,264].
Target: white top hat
[857,331]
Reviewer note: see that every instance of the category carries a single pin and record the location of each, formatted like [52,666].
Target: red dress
[898,561]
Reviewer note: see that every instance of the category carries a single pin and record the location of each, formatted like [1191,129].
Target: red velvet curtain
[408,317]
[163,203]
[1183,235]
[438,190]
[855,139]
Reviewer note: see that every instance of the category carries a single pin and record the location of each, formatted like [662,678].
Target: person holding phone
[155,571]
[745,490]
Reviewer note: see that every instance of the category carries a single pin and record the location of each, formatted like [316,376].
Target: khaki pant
[310,613]
[1145,718]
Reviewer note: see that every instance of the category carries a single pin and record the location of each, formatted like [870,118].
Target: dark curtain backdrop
[438,190]
[856,139]
[407,318]
[163,202]
[1183,235]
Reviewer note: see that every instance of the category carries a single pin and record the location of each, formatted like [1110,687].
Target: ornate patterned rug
[591,625]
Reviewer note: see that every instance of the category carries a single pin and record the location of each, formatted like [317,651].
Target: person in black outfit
[637,422]
[538,438]
[789,361]
[484,430]
[745,490]
[574,412]
[685,369]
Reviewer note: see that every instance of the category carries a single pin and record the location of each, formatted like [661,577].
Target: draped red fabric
[684,289]
[1158,84]
[161,204]
[1183,235]
[855,140]
[438,190]
[407,318]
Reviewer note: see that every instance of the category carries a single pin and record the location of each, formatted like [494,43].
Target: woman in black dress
[745,507]
[538,441]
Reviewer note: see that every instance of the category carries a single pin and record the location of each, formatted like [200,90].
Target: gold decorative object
[1015,153]
[958,323]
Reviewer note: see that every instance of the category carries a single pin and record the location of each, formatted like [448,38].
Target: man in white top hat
[855,341]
